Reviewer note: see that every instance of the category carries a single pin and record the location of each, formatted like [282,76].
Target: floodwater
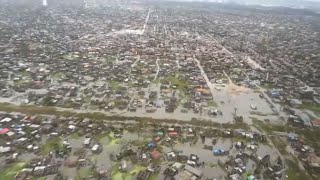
[232,98]
[267,150]
[211,168]
[112,145]
[204,154]
[228,97]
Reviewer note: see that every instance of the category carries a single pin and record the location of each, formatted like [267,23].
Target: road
[146,22]
[158,69]
[178,63]
[135,62]
[210,85]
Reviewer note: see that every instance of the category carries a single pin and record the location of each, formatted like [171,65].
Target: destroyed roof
[4,131]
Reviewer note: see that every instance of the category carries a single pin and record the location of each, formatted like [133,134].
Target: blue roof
[218,150]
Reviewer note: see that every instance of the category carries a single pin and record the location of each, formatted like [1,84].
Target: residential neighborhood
[117,89]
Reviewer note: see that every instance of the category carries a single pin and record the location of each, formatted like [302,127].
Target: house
[295,102]
[235,177]
[185,175]
[155,154]
[274,93]
[293,137]
[4,130]
[316,123]
[188,173]
[123,166]
[87,142]
[4,149]
[6,120]
[173,133]
[157,138]
[301,119]
[151,145]
[97,148]
[314,161]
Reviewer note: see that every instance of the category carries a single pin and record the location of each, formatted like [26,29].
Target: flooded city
[159,90]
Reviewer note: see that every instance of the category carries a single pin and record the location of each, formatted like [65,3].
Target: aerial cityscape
[158,90]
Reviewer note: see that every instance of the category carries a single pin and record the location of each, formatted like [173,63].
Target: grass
[156,81]
[24,74]
[70,56]
[11,171]
[74,136]
[114,85]
[268,86]
[180,83]
[311,107]
[32,110]
[85,172]
[294,172]
[279,144]
[136,169]
[118,175]
[108,60]
[153,177]
[269,128]
[309,136]
[20,82]
[212,103]
[258,113]
[58,75]
[38,178]
[213,165]
[87,99]
[102,135]
[113,140]
[42,110]
[51,145]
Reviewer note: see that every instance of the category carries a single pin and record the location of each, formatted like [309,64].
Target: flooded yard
[126,151]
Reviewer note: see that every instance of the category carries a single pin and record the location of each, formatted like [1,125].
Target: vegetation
[112,139]
[176,81]
[33,110]
[109,59]
[114,85]
[258,113]
[84,172]
[11,171]
[39,110]
[58,75]
[70,56]
[117,174]
[279,144]
[51,145]
[268,86]
[310,136]
[153,177]
[311,107]
[102,135]
[74,136]
[212,103]
[294,172]
[269,128]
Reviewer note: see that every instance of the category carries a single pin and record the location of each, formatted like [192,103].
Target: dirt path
[210,85]
[158,69]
